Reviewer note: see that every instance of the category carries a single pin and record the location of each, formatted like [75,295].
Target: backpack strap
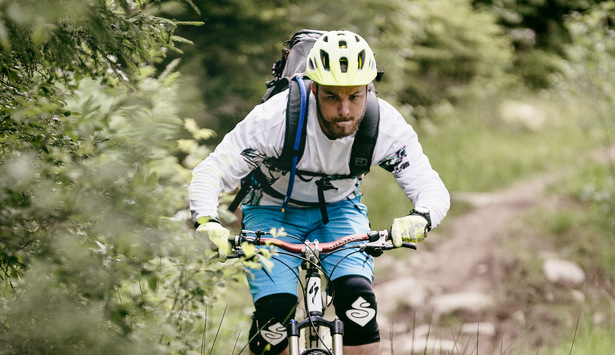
[365,138]
[294,140]
[296,122]
[247,184]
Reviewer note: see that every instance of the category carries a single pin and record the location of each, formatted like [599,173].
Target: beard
[339,127]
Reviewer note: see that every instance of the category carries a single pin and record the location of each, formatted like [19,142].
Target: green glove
[219,236]
[412,228]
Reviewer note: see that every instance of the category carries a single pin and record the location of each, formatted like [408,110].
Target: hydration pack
[289,73]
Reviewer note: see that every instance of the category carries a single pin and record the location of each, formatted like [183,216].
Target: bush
[96,253]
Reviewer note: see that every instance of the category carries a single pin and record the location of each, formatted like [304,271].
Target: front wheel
[316,352]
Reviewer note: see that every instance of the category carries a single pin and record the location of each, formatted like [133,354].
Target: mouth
[343,121]
[344,124]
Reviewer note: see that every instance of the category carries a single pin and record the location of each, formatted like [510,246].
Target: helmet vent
[311,65]
[361,59]
[343,45]
[344,65]
[324,58]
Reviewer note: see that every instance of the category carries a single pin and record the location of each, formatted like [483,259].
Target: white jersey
[261,135]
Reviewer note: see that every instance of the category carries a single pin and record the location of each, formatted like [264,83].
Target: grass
[226,321]
[474,151]
[589,339]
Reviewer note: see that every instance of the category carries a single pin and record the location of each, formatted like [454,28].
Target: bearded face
[340,109]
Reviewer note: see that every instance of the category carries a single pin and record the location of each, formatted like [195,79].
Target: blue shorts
[345,217]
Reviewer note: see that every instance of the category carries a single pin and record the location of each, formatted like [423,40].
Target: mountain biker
[341,65]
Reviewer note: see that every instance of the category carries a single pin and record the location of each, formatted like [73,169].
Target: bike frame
[315,309]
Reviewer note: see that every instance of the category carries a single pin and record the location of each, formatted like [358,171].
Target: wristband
[423,212]
[206,219]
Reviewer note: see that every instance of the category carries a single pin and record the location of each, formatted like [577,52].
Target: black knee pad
[268,332]
[355,305]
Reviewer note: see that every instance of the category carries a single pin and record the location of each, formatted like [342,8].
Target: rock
[467,301]
[476,199]
[404,292]
[388,327]
[483,329]
[521,115]
[407,340]
[425,346]
[578,296]
[563,272]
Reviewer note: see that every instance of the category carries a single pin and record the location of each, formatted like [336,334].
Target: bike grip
[373,236]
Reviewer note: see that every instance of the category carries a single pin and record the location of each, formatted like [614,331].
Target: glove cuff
[423,212]
[206,219]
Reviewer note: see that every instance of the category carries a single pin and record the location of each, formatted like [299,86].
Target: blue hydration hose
[293,167]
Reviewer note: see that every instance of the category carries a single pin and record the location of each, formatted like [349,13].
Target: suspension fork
[315,318]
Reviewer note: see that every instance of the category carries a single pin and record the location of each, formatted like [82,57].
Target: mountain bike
[312,253]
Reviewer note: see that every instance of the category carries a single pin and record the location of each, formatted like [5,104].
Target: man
[341,66]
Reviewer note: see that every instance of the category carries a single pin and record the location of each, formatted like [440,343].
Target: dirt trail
[460,255]
[461,259]
[457,259]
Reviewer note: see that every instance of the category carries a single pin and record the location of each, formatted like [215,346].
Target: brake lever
[236,255]
[378,247]
[378,243]
[408,245]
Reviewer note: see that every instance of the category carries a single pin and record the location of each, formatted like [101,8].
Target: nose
[343,108]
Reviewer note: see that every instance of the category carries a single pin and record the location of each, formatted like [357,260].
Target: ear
[313,85]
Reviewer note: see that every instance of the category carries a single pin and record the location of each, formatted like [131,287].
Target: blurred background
[106,106]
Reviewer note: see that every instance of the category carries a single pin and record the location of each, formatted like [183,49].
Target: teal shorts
[345,218]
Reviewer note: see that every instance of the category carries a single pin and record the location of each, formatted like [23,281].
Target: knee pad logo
[361,312]
[274,334]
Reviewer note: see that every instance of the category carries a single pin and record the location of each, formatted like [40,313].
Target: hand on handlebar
[219,236]
[411,228]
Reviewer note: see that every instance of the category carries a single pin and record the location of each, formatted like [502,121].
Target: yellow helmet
[341,58]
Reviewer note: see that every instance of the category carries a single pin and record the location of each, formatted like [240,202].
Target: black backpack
[289,73]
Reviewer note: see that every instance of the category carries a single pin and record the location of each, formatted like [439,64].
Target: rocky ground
[449,296]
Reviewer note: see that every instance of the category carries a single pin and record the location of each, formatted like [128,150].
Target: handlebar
[375,243]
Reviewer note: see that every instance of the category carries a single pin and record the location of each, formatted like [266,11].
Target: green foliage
[435,51]
[537,30]
[591,55]
[226,68]
[96,253]
[431,51]
[586,81]
[76,39]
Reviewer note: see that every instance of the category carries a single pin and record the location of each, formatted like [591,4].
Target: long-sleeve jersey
[261,136]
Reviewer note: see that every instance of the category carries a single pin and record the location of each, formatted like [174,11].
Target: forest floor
[465,291]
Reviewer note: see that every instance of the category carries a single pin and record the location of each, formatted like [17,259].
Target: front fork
[294,328]
[315,312]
